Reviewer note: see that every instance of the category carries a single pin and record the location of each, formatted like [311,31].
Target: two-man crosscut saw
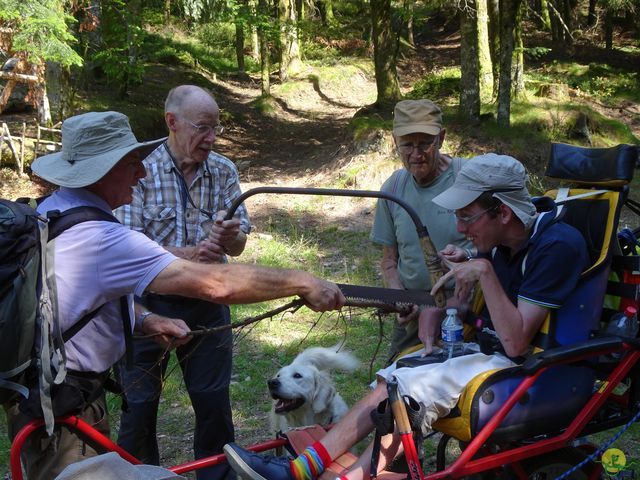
[368,295]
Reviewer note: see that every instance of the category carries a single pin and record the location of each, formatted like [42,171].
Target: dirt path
[301,142]
[301,136]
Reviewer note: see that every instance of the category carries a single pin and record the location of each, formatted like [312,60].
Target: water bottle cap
[452,311]
[630,311]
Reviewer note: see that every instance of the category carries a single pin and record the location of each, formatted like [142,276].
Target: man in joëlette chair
[495,211]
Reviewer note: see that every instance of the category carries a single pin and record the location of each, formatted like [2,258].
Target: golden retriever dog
[303,391]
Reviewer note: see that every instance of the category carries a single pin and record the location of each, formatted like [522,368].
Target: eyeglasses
[204,129]
[476,217]
[421,147]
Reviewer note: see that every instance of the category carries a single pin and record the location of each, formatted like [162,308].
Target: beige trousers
[44,457]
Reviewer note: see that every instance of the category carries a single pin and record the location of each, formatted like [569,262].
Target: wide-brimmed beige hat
[416,116]
[92,143]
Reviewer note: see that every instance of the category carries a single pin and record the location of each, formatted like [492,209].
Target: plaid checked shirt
[161,208]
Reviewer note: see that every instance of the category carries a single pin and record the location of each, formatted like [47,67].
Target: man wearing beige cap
[493,209]
[100,265]
[426,172]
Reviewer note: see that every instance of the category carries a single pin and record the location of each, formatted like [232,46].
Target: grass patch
[608,84]
[210,47]
[265,104]
[441,86]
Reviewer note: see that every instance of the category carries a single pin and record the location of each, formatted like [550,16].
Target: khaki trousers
[44,457]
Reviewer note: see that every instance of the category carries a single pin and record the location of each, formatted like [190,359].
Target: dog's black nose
[273,383]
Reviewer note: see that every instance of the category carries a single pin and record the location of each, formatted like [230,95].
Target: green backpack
[31,344]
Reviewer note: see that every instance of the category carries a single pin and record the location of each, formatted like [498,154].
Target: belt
[88,375]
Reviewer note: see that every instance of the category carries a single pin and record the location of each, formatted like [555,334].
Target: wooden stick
[294,305]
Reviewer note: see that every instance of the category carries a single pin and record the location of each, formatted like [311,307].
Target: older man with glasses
[181,204]
[419,135]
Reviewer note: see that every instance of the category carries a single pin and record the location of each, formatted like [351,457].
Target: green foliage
[438,85]
[285,247]
[604,81]
[537,52]
[122,36]
[193,9]
[171,49]
[597,79]
[41,30]
[324,53]
[218,38]
[363,125]
[619,5]
[265,104]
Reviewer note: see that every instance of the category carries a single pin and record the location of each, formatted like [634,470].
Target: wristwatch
[142,316]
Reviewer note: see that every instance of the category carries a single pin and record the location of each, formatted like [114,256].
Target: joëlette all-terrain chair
[529,421]
[523,422]
[526,421]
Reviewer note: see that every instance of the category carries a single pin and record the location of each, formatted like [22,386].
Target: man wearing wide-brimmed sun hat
[97,262]
[418,134]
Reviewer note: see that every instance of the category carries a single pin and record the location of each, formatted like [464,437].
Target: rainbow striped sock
[310,463]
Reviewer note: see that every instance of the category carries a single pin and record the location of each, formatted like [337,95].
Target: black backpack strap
[61,221]
[80,324]
[126,325]
[58,223]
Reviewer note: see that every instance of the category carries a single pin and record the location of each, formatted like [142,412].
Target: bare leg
[390,448]
[355,425]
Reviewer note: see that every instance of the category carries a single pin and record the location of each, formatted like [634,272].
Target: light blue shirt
[97,262]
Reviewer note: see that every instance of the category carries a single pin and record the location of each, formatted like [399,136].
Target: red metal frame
[73,423]
[465,464]
[99,440]
[220,458]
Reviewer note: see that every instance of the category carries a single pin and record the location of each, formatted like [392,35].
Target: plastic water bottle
[623,324]
[452,337]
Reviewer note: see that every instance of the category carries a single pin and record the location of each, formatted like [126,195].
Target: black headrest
[607,167]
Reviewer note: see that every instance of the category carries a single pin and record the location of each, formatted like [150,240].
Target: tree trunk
[469,63]
[265,64]
[91,41]
[300,8]
[167,11]
[569,16]
[254,37]
[409,6]
[591,16]
[240,46]
[384,53]
[544,15]
[517,69]
[290,63]
[556,30]
[6,94]
[44,112]
[508,12]
[494,42]
[485,67]
[328,12]
[59,90]
[608,29]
